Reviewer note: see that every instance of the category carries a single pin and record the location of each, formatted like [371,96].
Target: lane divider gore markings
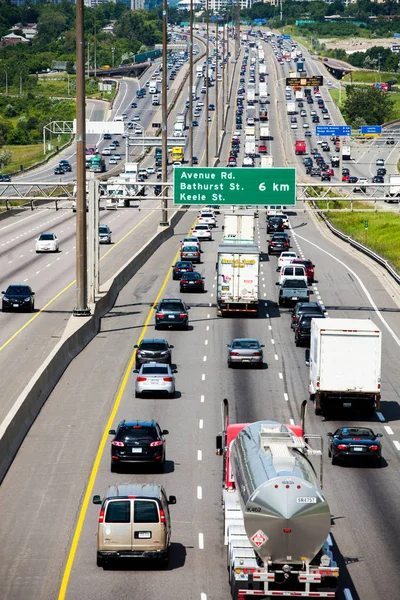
[104,440]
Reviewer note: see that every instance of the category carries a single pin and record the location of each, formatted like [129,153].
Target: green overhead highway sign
[194,185]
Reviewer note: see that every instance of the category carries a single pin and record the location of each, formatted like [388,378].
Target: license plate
[144,535]
[246,360]
[136,450]
[15,305]
[346,404]
[357,449]
[191,282]
[171,317]
[294,298]
[241,577]
[154,382]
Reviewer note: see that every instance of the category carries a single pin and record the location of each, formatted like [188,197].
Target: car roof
[125,423]
[150,340]
[170,300]
[140,490]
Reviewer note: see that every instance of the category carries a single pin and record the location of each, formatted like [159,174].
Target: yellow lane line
[36,315]
[104,438]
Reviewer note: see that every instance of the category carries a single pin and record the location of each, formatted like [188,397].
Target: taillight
[142,379]
[101,516]
[198,280]
[196,253]
[287,531]
[119,444]
[167,379]
[162,516]
[182,316]
[374,448]
[154,444]
[160,315]
[234,353]
[342,447]
[183,280]
[256,353]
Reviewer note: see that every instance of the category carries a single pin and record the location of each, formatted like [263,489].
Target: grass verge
[29,155]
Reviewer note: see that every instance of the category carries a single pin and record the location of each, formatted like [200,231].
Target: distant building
[185,5]
[29,31]
[11,39]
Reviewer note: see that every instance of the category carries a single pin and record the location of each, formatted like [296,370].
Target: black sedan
[180,268]
[192,281]
[153,350]
[18,297]
[138,442]
[278,243]
[64,164]
[355,442]
[59,170]
[303,308]
[302,333]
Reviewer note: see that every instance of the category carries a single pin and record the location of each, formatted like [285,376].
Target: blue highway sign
[371,129]
[339,130]
[286,37]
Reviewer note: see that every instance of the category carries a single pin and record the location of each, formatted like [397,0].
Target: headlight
[27,299]
[5,299]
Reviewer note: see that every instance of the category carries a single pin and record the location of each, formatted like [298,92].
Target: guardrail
[358,246]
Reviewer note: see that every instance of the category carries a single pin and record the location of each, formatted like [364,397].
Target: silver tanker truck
[277,519]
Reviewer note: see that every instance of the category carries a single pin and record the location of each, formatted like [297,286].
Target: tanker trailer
[276,518]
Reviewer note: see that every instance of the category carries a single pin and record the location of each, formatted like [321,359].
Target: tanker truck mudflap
[276,518]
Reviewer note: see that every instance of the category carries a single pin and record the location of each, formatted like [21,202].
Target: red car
[345,178]
[330,172]
[308,265]
[262,149]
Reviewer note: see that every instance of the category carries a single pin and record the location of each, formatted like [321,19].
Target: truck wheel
[317,410]
[100,561]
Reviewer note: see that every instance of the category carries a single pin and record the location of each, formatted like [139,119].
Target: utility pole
[95,43]
[280,10]
[6,82]
[216,90]
[237,30]
[207,79]
[112,54]
[164,115]
[88,58]
[191,85]
[223,75]
[81,308]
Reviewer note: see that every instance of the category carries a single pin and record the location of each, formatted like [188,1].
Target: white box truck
[250,148]
[291,108]
[251,96]
[298,96]
[262,69]
[267,162]
[346,153]
[239,227]
[179,130]
[238,268]
[153,88]
[394,189]
[345,365]
[249,132]
[181,118]
[264,132]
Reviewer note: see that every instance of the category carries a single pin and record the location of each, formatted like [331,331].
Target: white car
[208,218]
[305,125]
[150,170]
[285,259]
[113,160]
[202,231]
[177,163]
[191,241]
[293,125]
[106,152]
[47,242]
[138,131]
[136,118]
[117,157]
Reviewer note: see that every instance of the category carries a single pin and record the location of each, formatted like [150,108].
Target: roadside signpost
[313,81]
[336,130]
[239,186]
[286,37]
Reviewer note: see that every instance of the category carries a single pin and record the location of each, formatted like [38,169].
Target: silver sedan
[245,351]
[155,378]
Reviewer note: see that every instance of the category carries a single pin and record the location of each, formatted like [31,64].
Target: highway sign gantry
[239,186]
[371,130]
[337,130]
[314,80]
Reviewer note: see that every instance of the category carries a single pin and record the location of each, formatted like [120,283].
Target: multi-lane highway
[48,531]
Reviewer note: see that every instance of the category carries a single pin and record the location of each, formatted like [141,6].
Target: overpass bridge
[338,68]
[135,69]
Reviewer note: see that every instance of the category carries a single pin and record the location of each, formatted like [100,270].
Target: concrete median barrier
[77,334]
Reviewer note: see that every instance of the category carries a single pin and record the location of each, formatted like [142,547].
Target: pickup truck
[292,291]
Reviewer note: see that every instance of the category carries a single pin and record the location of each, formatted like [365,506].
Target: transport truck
[181,118]
[263,94]
[250,147]
[239,227]
[346,153]
[238,268]
[298,95]
[291,108]
[179,130]
[394,189]
[251,97]
[153,87]
[276,517]
[300,66]
[345,365]
[97,164]
[249,132]
[262,69]
[177,154]
[300,147]
[263,116]
[267,162]
[265,133]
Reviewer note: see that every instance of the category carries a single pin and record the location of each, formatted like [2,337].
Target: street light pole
[81,308]
[237,30]
[223,75]
[191,85]
[164,115]
[6,82]
[112,54]
[207,79]
[216,89]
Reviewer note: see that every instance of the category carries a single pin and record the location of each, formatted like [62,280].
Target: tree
[9,111]
[371,104]
[5,157]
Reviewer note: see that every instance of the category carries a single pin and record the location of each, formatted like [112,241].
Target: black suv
[172,312]
[275,224]
[302,333]
[138,442]
[150,350]
[18,297]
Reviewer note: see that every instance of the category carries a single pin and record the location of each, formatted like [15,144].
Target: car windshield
[183,265]
[294,283]
[18,290]
[189,249]
[161,370]
[206,215]
[355,431]
[245,344]
[173,306]
[154,346]
[46,236]
[137,432]
[193,275]
[306,319]
[103,229]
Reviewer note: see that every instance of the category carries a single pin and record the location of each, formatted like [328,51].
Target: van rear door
[148,531]
[116,530]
